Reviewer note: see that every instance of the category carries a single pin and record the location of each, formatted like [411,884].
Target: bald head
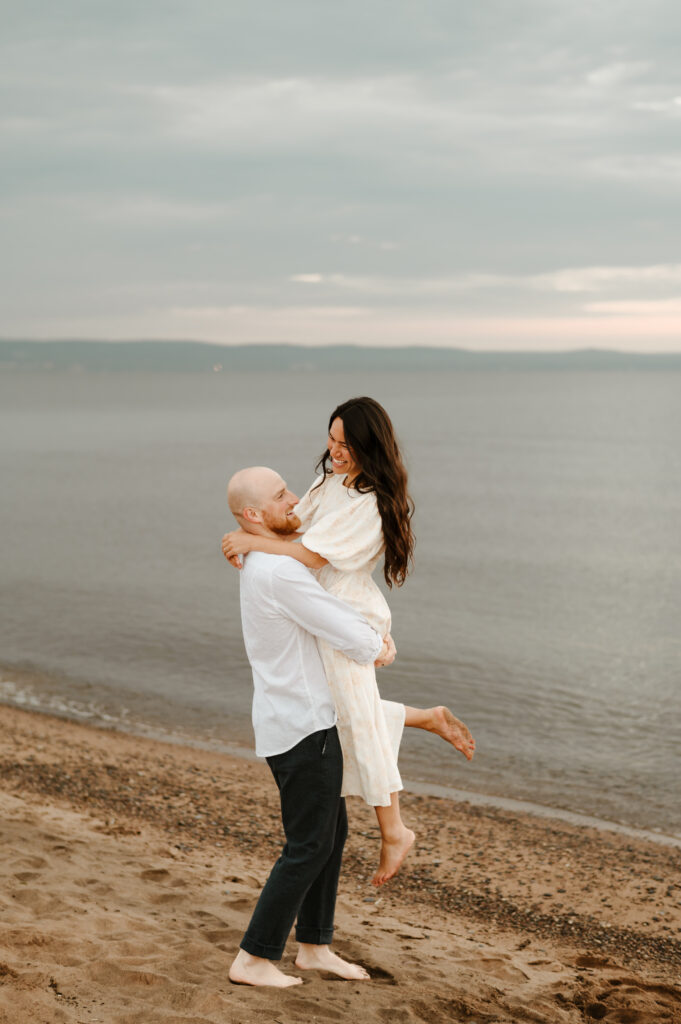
[260,501]
[252,486]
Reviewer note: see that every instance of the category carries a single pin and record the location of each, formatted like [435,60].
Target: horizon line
[350,344]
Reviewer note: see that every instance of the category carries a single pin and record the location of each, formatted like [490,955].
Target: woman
[356,511]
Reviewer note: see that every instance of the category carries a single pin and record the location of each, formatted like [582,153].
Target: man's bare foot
[443,722]
[393,852]
[254,970]
[320,958]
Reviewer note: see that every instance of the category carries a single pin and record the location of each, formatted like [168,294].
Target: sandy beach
[130,868]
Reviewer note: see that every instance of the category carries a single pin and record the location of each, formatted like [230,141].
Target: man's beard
[282,525]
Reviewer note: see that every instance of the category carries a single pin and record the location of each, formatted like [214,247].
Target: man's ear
[251,515]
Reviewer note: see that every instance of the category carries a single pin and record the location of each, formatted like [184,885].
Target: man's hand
[386,655]
[236,543]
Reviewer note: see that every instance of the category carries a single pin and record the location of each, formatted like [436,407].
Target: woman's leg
[441,721]
[396,840]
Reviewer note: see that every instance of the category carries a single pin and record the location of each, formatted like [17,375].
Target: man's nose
[292,498]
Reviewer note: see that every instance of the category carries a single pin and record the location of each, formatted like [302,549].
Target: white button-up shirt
[283,610]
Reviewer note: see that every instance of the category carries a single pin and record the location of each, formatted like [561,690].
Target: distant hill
[196,356]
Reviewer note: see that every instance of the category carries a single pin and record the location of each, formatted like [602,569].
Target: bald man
[283,610]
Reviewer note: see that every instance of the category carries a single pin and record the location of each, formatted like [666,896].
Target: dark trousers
[302,884]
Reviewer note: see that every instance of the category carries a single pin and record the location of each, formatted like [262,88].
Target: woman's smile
[342,459]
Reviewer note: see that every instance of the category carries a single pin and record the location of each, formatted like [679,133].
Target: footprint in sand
[111,975]
[223,938]
[155,874]
[219,928]
[23,938]
[596,1011]
[586,960]
[655,988]
[240,904]
[498,967]
[247,880]
[26,876]
[305,1009]
[41,905]
[33,862]
[549,965]
[160,899]
[379,974]
[629,1000]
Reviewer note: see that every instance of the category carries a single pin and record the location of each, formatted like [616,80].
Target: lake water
[544,607]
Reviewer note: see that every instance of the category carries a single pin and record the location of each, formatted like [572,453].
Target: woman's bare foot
[320,958]
[443,722]
[254,970]
[393,852]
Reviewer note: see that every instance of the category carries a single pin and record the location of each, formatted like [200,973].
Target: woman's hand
[236,543]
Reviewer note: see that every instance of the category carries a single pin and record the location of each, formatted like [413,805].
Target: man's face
[277,512]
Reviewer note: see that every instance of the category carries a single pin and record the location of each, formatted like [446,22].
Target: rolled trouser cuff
[257,949]
[314,936]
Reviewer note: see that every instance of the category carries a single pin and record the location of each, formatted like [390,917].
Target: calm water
[544,607]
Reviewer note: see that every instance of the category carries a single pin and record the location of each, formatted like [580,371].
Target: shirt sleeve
[305,601]
[307,506]
[350,536]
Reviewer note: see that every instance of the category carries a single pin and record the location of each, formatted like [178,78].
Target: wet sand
[130,868]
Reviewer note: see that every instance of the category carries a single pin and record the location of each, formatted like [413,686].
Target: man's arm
[305,601]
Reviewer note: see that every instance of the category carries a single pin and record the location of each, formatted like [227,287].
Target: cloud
[638,171]
[617,74]
[570,280]
[639,308]
[593,279]
[671,106]
[156,210]
[267,113]
[224,313]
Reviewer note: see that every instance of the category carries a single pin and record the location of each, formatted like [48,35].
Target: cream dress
[344,527]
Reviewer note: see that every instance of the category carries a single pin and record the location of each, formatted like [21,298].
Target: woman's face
[343,461]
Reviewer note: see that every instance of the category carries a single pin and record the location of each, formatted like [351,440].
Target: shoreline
[133,865]
[58,708]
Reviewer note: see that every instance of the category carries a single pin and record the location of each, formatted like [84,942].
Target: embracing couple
[315,627]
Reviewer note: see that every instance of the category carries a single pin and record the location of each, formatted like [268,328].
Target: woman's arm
[239,542]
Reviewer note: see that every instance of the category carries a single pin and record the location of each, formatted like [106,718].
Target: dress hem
[383,802]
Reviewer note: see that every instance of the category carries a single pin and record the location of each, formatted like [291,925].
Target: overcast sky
[500,174]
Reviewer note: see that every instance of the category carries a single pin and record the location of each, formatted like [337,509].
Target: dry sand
[130,868]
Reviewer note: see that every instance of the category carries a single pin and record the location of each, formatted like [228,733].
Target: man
[283,609]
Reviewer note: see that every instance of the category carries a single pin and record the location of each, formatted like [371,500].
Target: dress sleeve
[307,506]
[350,536]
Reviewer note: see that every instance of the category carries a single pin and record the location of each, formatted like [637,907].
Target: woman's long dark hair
[371,439]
